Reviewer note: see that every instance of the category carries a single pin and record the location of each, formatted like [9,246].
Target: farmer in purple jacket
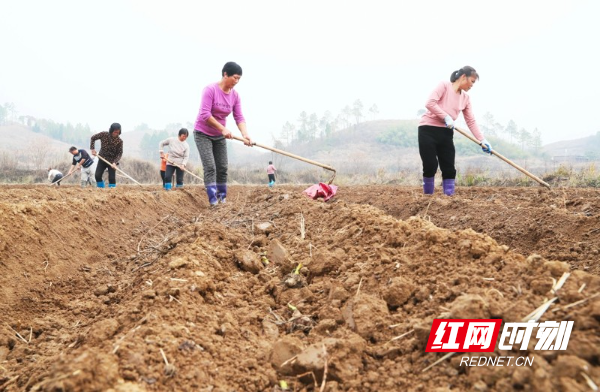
[218,101]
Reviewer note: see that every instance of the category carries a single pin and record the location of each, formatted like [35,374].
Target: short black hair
[270,162]
[115,127]
[183,131]
[230,68]
[73,148]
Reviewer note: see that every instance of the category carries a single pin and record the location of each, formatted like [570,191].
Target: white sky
[100,62]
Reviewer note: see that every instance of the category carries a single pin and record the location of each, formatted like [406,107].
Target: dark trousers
[56,178]
[112,173]
[271,177]
[436,146]
[162,176]
[213,154]
[169,174]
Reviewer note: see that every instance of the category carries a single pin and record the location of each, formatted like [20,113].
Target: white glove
[449,122]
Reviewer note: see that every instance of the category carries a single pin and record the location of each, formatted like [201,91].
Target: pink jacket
[445,101]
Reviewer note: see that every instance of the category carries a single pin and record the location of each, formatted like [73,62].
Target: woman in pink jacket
[436,128]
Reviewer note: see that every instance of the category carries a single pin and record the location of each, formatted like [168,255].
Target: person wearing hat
[111,149]
[82,160]
[54,175]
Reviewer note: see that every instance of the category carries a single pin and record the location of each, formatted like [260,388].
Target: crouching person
[82,160]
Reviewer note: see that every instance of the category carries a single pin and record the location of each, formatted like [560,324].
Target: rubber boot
[448,186]
[179,186]
[83,184]
[211,191]
[222,192]
[428,185]
[100,184]
[112,185]
[271,184]
[168,186]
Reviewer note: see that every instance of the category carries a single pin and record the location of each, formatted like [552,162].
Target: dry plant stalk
[401,336]
[448,355]
[581,301]
[494,291]
[18,334]
[427,209]
[590,382]
[299,376]
[302,227]
[152,229]
[358,289]
[169,369]
[536,314]
[557,286]
[324,369]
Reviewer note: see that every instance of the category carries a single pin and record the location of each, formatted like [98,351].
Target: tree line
[312,126]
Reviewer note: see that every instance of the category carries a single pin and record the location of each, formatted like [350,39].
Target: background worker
[82,160]
[436,128]
[111,149]
[179,153]
[163,168]
[54,175]
[271,173]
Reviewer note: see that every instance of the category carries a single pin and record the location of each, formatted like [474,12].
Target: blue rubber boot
[168,186]
[222,192]
[448,186]
[112,185]
[211,191]
[100,184]
[428,185]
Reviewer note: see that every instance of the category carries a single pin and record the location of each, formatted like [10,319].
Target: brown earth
[99,290]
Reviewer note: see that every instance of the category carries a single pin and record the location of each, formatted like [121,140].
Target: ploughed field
[138,289]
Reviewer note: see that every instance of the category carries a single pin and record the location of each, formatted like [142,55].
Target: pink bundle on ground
[321,190]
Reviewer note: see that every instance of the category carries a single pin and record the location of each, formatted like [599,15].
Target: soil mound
[139,290]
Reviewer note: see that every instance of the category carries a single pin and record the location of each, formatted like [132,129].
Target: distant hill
[368,148]
[20,137]
[132,141]
[22,147]
[583,147]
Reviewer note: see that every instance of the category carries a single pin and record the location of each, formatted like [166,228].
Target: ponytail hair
[466,70]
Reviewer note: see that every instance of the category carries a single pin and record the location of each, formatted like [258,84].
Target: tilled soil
[137,289]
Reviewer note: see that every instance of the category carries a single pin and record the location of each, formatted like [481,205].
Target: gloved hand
[449,122]
[486,146]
